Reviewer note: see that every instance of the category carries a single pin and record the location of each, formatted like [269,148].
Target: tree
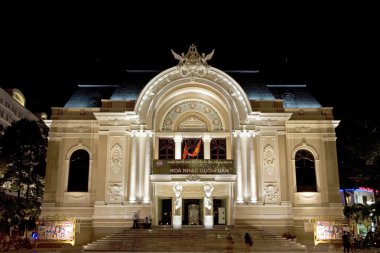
[358,212]
[359,144]
[22,158]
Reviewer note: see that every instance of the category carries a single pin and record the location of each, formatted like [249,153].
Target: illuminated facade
[192,146]
[12,107]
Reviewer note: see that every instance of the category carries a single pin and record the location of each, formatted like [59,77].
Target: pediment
[192,123]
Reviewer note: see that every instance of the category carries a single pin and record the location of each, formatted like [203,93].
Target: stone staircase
[191,239]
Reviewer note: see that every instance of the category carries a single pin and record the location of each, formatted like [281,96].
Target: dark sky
[60,47]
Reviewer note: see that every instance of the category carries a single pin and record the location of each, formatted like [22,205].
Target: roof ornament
[192,64]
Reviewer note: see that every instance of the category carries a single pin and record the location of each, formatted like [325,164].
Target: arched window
[305,171]
[78,171]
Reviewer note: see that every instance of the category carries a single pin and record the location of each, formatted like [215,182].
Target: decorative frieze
[76,125]
[193,177]
[193,106]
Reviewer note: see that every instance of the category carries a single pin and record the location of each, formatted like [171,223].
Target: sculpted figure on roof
[192,64]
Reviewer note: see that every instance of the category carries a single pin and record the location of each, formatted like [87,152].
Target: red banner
[185,152]
[196,150]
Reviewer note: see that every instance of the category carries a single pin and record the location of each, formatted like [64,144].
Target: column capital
[244,133]
[178,138]
[206,138]
[134,133]
[145,133]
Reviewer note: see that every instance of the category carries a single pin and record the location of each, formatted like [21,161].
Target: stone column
[148,159]
[252,169]
[141,167]
[132,177]
[178,147]
[238,164]
[206,146]
[244,135]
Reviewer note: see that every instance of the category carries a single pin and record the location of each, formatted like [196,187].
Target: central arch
[217,88]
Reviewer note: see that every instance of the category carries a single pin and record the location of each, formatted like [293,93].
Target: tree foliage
[22,159]
[357,212]
[359,144]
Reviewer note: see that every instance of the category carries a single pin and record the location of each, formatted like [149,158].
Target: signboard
[57,230]
[195,166]
[328,231]
[221,215]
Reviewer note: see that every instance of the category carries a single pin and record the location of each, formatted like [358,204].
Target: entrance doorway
[192,212]
[165,212]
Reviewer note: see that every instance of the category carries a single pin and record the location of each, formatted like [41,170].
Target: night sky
[327,49]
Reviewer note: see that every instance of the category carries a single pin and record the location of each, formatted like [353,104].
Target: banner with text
[328,231]
[57,230]
[195,166]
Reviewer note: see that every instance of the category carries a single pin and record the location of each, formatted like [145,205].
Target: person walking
[346,242]
[248,241]
[135,219]
[230,243]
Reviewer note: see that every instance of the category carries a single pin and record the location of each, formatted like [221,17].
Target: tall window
[78,171]
[218,148]
[305,171]
[166,148]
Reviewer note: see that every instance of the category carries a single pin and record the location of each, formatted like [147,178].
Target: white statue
[208,199]
[181,58]
[177,188]
[204,58]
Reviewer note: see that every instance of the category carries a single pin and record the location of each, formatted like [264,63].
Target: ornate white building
[12,107]
[192,146]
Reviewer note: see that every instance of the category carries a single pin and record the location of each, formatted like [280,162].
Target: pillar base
[177,221]
[209,221]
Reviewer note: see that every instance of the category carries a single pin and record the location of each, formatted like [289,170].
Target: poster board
[329,231]
[221,215]
[56,230]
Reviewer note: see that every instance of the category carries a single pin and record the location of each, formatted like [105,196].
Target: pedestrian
[230,242]
[248,241]
[346,242]
[146,222]
[135,219]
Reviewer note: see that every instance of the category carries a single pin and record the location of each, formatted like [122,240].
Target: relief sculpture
[271,194]
[115,192]
[116,159]
[269,161]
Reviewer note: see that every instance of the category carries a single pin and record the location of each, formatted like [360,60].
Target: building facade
[192,146]
[12,107]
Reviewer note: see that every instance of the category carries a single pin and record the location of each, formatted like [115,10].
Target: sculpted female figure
[177,188]
[208,199]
